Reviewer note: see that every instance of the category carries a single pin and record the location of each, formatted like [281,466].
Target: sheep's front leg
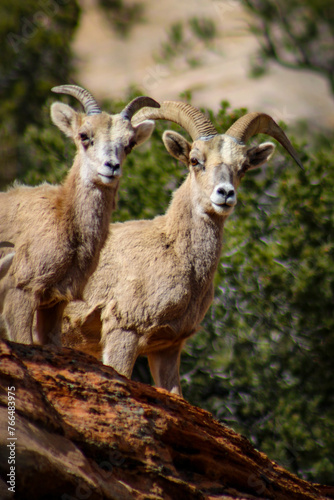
[48,324]
[121,351]
[165,368]
[18,314]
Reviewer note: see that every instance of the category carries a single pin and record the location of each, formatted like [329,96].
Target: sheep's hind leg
[48,324]
[121,351]
[165,368]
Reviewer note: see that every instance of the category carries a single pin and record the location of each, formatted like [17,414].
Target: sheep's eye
[194,162]
[84,137]
[129,147]
[242,171]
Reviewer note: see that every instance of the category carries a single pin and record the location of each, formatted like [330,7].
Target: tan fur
[154,281]
[58,231]
[5,264]
[6,261]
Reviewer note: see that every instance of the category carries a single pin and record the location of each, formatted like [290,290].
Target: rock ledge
[83,431]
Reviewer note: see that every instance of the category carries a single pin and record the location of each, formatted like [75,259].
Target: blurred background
[207,47]
[263,361]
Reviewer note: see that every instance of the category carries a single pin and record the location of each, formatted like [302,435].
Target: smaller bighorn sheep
[58,231]
[154,281]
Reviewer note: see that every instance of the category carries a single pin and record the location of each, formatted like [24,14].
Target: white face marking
[223,197]
[105,142]
[215,166]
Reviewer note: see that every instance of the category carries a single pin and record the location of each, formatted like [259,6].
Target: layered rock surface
[83,431]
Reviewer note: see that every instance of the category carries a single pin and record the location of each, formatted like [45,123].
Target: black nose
[113,167]
[225,192]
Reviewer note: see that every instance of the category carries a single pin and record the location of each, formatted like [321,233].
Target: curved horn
[186,115]
[84,97]
[136,104]
[260,123]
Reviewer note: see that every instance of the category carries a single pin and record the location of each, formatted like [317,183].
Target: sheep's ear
[258,155]
[144,131]
[177,145]
[64,117]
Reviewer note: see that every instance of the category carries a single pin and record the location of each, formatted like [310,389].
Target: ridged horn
[260,123]
[186,115]
[84,97]
[136,104]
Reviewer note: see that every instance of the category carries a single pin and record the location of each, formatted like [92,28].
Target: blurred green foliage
[188,40]
[297,34]
[263,360]
[175,42]
[122,15]
[35,56]
[204,28]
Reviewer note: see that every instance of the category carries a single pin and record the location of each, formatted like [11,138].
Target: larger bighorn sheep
[58,231]
[154,282]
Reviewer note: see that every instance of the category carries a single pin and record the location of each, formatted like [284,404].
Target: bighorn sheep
[58,231]
[154,281]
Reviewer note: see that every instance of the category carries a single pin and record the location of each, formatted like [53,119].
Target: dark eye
[194,162]
[242,172]
[84,137]
[129,147]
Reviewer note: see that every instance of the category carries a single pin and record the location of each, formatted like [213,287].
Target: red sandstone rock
[85,432]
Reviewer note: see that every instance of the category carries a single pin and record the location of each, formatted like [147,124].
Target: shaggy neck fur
[86,206]
[197,235]
[83,214]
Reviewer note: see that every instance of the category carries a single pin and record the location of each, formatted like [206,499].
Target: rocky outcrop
[82,431]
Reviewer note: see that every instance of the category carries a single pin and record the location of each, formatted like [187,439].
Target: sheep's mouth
[222,208]
[108,179]
[108,174]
